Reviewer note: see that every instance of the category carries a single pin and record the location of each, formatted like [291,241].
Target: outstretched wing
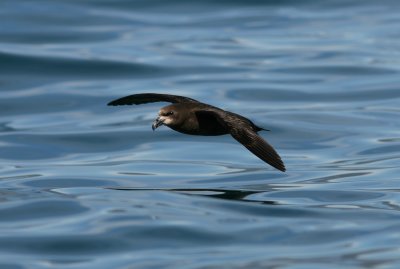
[242,130]
[143,98]
[259,147]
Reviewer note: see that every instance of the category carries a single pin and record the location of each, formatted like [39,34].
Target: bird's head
[168,115]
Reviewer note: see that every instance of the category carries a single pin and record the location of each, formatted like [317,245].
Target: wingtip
[280,166]
[114,103]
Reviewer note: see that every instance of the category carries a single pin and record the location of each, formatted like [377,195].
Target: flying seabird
[189,116]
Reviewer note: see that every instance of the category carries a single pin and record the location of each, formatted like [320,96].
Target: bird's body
[189,116]
[194,124]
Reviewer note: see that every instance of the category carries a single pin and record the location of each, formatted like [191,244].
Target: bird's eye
[169,113]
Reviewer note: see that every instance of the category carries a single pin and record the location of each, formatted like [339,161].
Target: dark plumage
[189,116]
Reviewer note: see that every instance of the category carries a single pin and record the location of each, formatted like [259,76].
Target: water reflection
[236,195]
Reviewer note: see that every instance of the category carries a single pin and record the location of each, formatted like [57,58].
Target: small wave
[27,65]
[283,95]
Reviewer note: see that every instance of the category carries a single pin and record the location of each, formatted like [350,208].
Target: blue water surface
[84,185]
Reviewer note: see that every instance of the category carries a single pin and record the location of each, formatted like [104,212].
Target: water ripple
[284,95]
[60,67]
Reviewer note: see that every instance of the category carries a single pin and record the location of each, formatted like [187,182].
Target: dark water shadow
[224,194]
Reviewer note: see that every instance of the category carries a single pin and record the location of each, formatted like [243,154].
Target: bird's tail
[261,129]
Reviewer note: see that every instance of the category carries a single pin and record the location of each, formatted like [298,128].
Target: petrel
[189,116]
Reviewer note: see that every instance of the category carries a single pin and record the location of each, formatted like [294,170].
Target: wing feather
[143,98]
[243,130]
[259,147]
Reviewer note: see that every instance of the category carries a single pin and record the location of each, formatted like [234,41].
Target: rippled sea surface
[85,185]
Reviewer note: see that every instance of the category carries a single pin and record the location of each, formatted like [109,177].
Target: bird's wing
[259,147]
[144,98]
[242,131]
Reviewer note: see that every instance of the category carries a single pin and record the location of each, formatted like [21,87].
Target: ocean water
[84,185]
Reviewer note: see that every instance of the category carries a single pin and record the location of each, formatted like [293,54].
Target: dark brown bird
[192,117]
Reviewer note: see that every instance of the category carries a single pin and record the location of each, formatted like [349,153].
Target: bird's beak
[157,123]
